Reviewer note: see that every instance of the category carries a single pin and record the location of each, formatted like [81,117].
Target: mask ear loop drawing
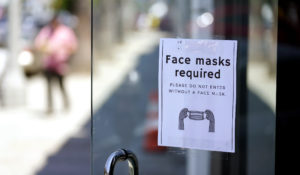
[211,118]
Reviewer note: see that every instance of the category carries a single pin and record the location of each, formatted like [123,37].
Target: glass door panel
[125,82]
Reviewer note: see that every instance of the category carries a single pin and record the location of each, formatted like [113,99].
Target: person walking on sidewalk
[57,42]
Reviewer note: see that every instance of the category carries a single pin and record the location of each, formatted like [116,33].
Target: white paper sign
[197,94]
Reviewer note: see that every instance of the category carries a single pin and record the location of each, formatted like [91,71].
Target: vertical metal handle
[121,155]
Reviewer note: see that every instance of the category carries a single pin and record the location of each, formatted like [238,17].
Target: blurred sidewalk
[29,136]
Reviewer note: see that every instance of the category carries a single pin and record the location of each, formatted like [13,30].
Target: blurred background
[36,140]
[38,137]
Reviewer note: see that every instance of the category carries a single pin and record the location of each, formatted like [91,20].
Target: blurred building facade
[112,20]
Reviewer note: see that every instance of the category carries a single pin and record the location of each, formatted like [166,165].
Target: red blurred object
[151,130]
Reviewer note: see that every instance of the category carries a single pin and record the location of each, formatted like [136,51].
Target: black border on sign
[161,91]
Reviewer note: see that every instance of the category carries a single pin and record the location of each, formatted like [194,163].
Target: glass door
[125,82]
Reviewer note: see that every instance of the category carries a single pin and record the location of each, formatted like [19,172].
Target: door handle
[121,155]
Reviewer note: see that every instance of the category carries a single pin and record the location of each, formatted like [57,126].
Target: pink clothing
[58,45]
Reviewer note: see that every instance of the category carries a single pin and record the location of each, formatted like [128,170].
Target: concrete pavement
[29,136]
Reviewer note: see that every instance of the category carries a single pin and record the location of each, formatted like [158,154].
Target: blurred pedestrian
[57,42]
[3,63]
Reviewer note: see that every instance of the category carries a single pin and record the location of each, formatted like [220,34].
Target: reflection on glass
[205,19]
